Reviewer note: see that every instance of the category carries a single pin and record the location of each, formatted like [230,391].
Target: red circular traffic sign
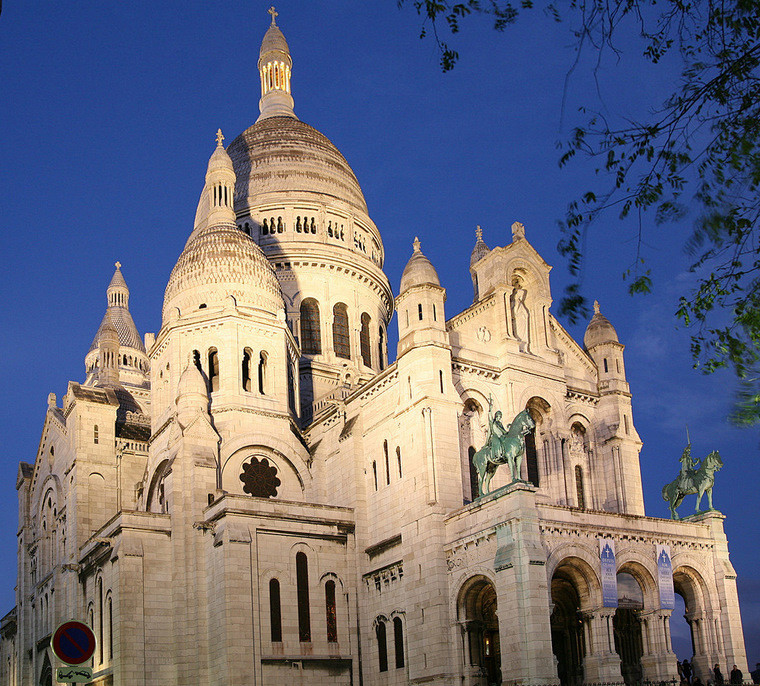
[73,643]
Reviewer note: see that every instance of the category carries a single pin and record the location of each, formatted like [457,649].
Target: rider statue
[496,433]
[688,463]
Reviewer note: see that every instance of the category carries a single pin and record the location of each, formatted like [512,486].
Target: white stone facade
[254,495]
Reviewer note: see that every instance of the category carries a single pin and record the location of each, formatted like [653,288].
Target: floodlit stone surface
[261,498]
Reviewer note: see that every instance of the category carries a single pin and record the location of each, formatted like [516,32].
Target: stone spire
[220,186]
[108,352]
[481,249]
[117,315]
[275,67]
[117,354]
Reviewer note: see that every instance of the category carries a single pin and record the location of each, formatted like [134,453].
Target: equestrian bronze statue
[693,478]
[504,446]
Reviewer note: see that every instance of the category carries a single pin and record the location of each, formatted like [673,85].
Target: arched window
[473,475]
[262,372]
[247,354]
[419,311]
[398,460]
[331,614]
[579,487]
[341,340]
[95,434]
[311,340]
[398,641]
[374,472]
[539,410]
[387,463]
[364,346]
[110,628]
[381,348]
[382,646]
[101,607]
[440,379]
[302,583]
[275,614]
[197,360]
[531,457]
[213,370]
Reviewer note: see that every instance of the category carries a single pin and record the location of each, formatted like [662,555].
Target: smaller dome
[273,40]
[219,158]
[480,250]
[418,270]
[599,330]
[218,262]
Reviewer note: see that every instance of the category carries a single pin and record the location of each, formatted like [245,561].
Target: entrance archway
[627,628]
[567,630]
[477,614]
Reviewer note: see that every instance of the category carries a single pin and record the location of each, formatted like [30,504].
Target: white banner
[665,577]
[609,572]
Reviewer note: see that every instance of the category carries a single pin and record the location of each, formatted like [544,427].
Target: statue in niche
[520,314]
[694,477]
[503,446]
[577,442]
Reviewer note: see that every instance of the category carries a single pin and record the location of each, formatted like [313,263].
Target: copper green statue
[503,446]
[694,477]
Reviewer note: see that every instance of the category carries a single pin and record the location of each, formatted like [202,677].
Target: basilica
[260,494]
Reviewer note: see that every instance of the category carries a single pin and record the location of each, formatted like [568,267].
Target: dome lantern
[275,67]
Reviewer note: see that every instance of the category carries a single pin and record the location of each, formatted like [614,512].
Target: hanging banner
[609,572]
[665,578]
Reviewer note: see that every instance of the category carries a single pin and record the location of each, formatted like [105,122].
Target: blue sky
[109,111]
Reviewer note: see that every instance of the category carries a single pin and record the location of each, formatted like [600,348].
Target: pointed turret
[478,253]
[420,303]
[216,205]
[275,67]
[118,335]
[601,342]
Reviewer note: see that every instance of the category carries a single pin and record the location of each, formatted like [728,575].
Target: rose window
[260,478]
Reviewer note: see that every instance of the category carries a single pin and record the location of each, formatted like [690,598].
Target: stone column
[471,636]
[658,661]
[601,663]
[701,662]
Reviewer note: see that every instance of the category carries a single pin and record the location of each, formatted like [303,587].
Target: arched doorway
[699,631]
[46,674]
[478,617]
[627,628]
[567,630]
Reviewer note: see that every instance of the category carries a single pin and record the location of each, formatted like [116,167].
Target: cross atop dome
[117,265]
[219,138]
[416,244]
[274,14]
[478,233]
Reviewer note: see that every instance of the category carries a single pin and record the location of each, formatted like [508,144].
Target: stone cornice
[473,311]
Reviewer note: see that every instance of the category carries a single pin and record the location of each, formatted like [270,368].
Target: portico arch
[477,615]
[573,586]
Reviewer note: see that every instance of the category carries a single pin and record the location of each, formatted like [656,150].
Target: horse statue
[699,481]
[503,447]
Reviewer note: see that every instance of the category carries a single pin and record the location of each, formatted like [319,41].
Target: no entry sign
[73,643]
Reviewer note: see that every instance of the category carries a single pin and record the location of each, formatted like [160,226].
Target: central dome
[282,155]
